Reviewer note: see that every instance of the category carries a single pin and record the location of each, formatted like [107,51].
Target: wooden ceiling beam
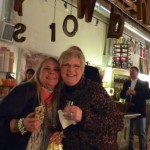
[128,9]
[131,4]
[122,5]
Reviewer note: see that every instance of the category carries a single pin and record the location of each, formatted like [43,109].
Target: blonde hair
[38,83]
[51,110]
[75,52]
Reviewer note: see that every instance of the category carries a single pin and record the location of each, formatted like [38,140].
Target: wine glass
[69,103]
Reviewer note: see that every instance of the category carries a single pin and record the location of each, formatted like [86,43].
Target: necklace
[47,96]
[46,88]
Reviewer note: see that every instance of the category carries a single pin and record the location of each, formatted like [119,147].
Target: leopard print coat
[100,122]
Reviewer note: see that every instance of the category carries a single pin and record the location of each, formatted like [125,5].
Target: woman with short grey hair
[97,119]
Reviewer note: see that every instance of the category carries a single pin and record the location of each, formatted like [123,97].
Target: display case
[118,84]
[119,76]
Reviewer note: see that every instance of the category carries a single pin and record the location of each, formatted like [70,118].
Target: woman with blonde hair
[28,114]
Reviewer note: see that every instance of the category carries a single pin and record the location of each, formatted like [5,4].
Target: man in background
[136,92]
[28,74]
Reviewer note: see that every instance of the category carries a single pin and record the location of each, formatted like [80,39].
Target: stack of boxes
[6,60]
[6,66]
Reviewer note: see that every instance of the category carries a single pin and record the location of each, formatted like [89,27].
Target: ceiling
[129,9]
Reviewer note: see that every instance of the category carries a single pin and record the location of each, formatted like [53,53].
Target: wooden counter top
[123,135]
[131,115]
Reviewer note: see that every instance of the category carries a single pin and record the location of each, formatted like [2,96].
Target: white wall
[38,15]
[6,7]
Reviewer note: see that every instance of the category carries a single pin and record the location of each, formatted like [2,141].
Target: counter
[123,135]
[147,123]
[129,115]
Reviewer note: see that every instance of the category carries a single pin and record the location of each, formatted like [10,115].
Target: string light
[126,25]
[97,22]
[65,4]
[137,32]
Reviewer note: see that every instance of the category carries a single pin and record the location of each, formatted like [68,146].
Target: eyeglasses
[75,66]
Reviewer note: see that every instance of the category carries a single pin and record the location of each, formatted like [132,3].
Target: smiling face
[49,74]
[71,71]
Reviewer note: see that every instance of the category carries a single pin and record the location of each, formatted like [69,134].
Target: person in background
[96,115]
[9,76]
[28,113]
[136,92]
[93,74]
[28,74]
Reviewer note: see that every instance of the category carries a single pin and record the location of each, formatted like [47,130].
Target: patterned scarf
[39,139]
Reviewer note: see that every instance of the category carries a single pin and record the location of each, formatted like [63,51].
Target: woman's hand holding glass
[73,112]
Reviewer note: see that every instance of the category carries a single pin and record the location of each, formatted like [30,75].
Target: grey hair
[75,52]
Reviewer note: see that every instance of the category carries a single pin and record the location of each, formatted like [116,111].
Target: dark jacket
[92,73]
[100,122]
[17,104]
[139,99]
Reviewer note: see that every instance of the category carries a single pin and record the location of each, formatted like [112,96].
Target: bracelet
[21,127]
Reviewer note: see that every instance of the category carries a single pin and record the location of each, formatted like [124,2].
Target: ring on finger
[71,114]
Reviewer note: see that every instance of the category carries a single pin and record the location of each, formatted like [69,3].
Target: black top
[17,104]
[139,99]
[100,122]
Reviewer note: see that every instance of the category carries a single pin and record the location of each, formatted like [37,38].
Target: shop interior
[112,56]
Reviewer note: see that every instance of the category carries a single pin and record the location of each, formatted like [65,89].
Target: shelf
[121,56]
[6,72]
[120,52]
[121,44]
[133,115]
[5,86]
